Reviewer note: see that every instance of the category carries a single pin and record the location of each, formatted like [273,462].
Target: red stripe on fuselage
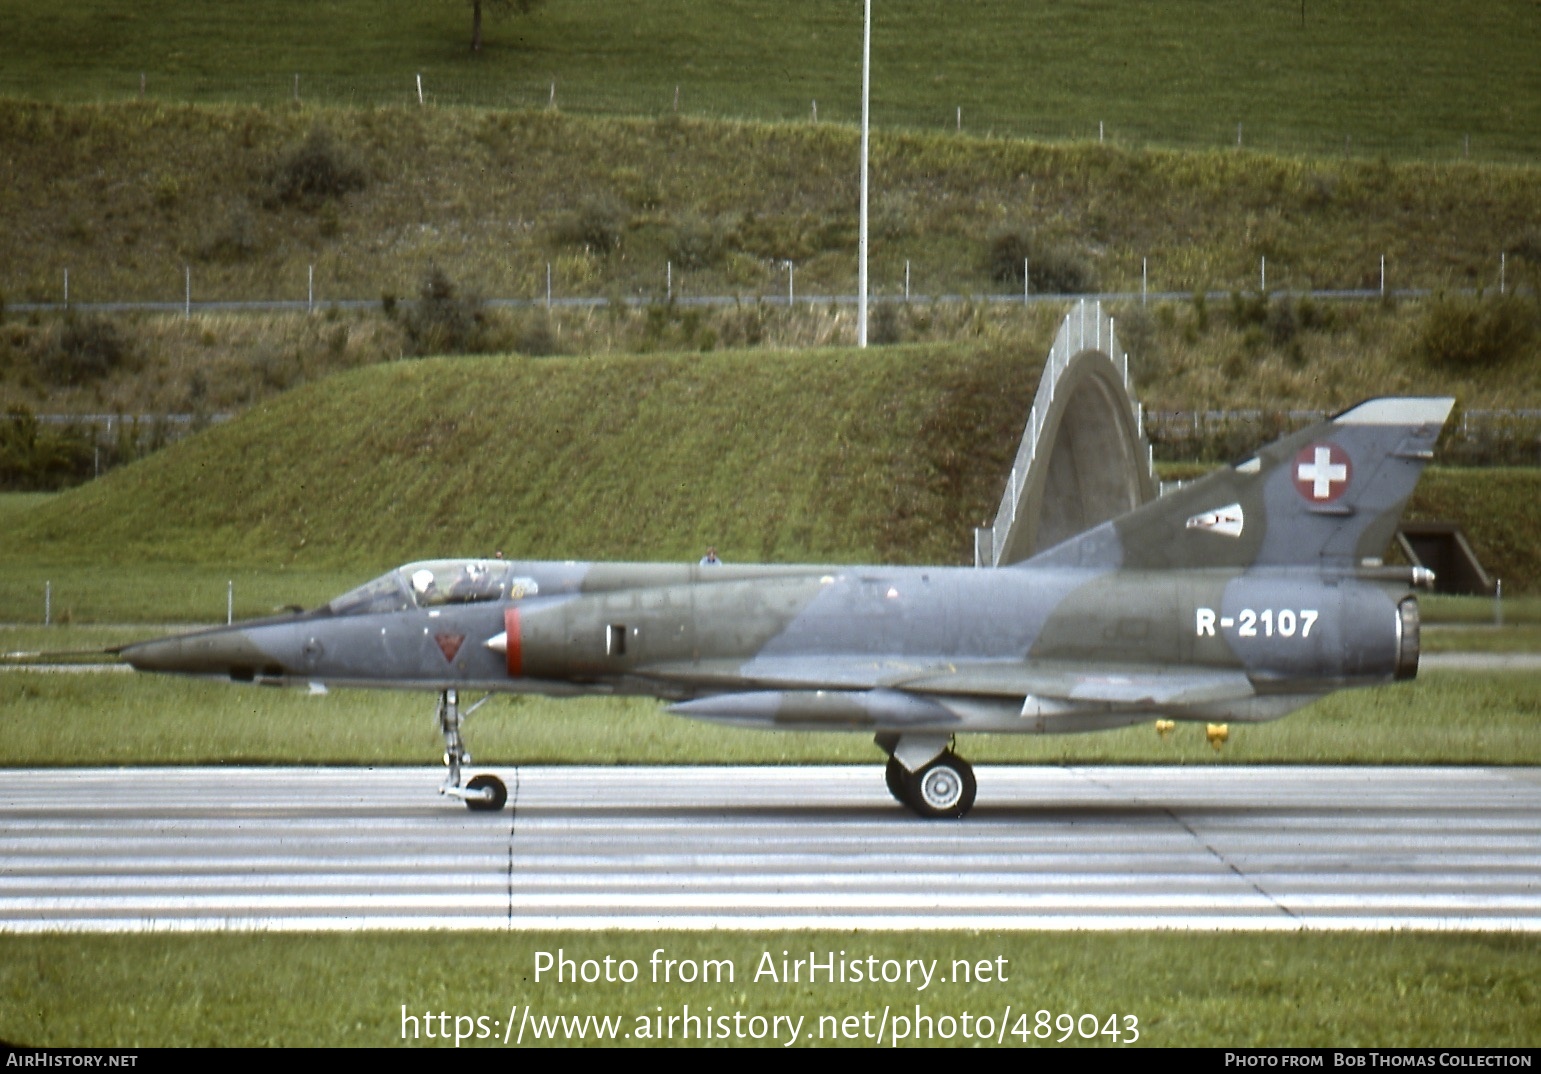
[515,643]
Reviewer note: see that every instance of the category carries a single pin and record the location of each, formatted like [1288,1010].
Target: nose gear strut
[484,792]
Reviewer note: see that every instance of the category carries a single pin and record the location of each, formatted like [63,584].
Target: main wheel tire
[493,794]
[943,789]
[898,781]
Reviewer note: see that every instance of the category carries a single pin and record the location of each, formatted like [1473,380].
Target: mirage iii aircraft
[1239,597]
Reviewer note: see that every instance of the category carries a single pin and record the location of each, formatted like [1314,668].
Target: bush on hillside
[1463,332]
[443,320]
[885,327]
[88,349]
[596,225]
[316,172]
[1051,270]
[696,243]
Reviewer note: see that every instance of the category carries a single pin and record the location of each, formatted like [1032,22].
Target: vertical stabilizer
[1330,495]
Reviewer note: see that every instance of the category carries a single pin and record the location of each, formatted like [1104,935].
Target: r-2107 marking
[1285,622]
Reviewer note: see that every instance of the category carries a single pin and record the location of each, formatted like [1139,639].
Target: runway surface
[710,848]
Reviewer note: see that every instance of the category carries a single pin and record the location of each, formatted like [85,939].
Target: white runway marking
[712,848]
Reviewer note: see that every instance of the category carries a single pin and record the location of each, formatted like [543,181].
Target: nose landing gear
[485,792]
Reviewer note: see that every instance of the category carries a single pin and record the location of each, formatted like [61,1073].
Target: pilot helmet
[422,580]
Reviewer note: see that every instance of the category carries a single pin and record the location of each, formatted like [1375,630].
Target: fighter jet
[1239,597]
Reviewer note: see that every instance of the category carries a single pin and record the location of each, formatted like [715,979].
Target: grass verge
[1244,989]
[123,718]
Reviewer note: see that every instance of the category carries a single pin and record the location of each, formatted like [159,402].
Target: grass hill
[1420,78]
[131,198]
[887,455]
[134,200]
[814,455]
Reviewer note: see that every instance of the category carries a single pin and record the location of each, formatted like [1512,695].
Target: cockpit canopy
[433,583]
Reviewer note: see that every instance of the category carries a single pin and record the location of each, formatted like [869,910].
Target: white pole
[187,307]
[66,288]
[310,289]
[815,111]
[548,285]
[1383,275]
[1502,267]
[1024,281]
[1099,132]
[419,89]
[906,279]
[791,279]
[1263,274]
[1144,280]
[866,93]
[48,603]
[668,277]
[230,602]
[960,118]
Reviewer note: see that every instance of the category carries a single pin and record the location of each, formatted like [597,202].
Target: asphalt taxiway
[703,848]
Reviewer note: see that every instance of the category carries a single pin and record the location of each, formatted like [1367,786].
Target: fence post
[310,290]
[1144,280]
[48,603]
[1383,275]
[187,295]
[668,280]
[548,285]
[1498,602]
[230,602]
[419,89]
[906,279]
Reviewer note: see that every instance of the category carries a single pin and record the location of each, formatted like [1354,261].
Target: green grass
[887,455]
[1478,611]
[1412,79]
[727,204]
[197,189]
[1246,989]
[1482,638]
[121,718]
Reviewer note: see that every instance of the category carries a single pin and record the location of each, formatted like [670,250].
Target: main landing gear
[483,792]
[924,774]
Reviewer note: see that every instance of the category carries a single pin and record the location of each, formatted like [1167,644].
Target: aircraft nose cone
[163,654]
[218,652]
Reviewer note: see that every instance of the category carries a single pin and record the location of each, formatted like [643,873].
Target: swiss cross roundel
[1322,472]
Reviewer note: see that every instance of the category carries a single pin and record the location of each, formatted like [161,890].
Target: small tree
[524,7]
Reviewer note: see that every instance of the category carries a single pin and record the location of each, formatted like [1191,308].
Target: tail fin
[1330,496]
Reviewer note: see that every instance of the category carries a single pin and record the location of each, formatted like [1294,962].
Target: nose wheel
[481,793]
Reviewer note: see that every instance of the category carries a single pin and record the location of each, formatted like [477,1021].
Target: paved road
[1046,847]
